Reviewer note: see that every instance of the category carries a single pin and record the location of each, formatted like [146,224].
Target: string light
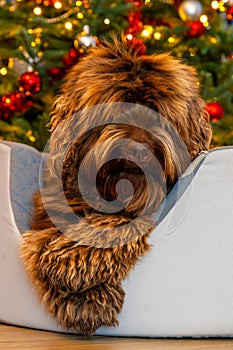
[221,6]
[58,5]
[171,39]
[38,41]
[129,37]
[107,21]
[80,15]
[79,3]
[10,62]
[147,31]
[3,71]
[157,35]
[37,11]
[69,26]
[204,20]
[214,4]
[30,136]
[213,40]
[148,3]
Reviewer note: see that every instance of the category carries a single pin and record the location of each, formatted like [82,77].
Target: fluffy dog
[90,230]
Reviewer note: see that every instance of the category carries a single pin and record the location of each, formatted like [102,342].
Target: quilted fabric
[25,165]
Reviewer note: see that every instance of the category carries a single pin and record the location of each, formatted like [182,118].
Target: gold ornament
[190,10]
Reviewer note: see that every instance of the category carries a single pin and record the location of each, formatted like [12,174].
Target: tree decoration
[72,57]
[85,39]
[30,83]
[229,15]
[14,102]
[215,110]
[190,10]
[196,30]
[56,73]
[135,23]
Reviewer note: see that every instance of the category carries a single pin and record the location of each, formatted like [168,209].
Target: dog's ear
[200,132]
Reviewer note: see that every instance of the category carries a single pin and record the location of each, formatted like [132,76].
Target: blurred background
[40,40]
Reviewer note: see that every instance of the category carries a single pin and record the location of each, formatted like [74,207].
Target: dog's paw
[85,312]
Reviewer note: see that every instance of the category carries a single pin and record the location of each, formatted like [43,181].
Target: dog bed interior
[182,288]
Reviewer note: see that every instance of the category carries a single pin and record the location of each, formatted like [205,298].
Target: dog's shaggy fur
[77,267]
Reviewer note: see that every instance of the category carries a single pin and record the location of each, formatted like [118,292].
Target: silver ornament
[85,39]
[190,10]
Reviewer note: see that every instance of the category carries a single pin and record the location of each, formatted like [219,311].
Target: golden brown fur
[77,266]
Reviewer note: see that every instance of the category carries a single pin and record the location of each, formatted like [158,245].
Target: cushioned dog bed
[183,287]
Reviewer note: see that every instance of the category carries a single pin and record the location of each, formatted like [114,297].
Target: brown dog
[113,159]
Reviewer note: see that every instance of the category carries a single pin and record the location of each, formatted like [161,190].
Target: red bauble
[229,14]
[215,110]
[135,23]
[72,57]
[196,30]
[14,102]
[57,73]
[30,83]
[75,54]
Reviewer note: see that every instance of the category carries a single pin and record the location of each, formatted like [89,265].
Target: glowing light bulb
[107,21]
[214,4]
[58,5]
[79,3]
[203,19]
[80,15]
[171,39]
[145,33]
[37,11]
[3,71]
[68,25]
[157,36]
[129,37]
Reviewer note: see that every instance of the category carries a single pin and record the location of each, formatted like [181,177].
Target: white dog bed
[183,287]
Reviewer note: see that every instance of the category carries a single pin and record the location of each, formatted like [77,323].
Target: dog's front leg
[77,279]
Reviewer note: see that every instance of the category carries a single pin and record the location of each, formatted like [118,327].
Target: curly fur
[77,267]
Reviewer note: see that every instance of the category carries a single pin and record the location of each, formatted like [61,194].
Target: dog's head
[125,127]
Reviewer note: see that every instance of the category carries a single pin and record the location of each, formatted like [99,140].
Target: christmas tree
[41,40]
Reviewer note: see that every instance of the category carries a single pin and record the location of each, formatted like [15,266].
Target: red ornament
[67,61]
[72,57]
[196,30]
[14,102]
[30,83]
[57,73]
[215,110]
[229,14]
[75,55]
[135,23]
